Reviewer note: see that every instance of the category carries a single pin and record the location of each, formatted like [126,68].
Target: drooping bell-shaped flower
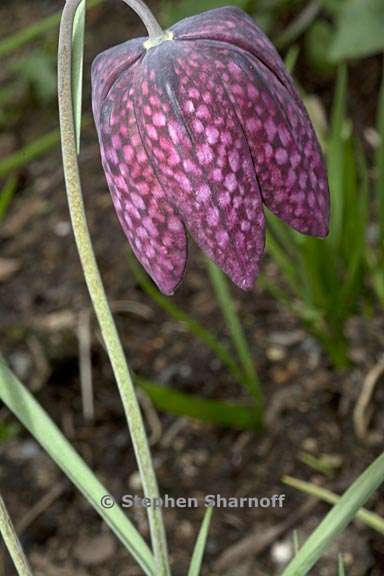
[197,132]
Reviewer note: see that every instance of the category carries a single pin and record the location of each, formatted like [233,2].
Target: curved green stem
[95,285]
[12,542]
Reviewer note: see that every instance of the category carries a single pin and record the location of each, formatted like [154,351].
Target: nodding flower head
[198,131]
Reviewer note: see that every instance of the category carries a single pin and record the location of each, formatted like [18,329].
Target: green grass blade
[29,152]
[32,151]
[30,33]
[236,332]
[198,552]
[371,519]
[335,156]
[21,402]
[6,195]
[77,67]
[296,542]
[341,569]
[12,542]
[337,519]
[380,157]
[227,414]
[178,314]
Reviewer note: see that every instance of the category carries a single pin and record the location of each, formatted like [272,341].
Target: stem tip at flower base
[200,133]
[152,42]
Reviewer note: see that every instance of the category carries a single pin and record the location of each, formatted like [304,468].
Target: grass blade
[6,195]
[32,151]
[337,519]
[21,402]
[380,157]
[29,152]
[77,66]
[371,519]
[236,332]
[198,552]
[335,155]
[212,411]
[175,312]
[341,569]
[30,33]
[12,542]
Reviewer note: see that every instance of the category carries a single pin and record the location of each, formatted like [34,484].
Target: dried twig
[85,365]
[362,413]
[40,507]
[258,541]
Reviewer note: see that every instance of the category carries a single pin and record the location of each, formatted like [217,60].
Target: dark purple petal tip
[198,133]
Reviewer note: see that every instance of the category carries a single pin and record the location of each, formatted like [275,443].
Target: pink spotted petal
[284,147]
[233,26]
[151,224]
[107,67]
[198,150]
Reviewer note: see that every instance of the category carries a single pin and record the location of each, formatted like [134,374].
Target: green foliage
[8,431]
[317,42]
[6,195]
[239,341]
[29,152]
[172,11]
[340,568]
[38,72]
[375,253]
[215,412]
[197,557]
[324,277]
[371,519]
[337,519]
[19,400]
[360,26]
[35,31]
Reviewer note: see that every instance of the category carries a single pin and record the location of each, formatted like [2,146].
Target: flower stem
[153,27]
[12,542]
[94,282]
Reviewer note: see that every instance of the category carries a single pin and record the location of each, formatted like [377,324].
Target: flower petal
[153,228]
[284,147]
[107,67]
[230,24]
[198,150]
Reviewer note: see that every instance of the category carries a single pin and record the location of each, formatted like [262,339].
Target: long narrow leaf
[193,326]
[337,519]
[371,519]
[19,400]
[6,195]
[380,157]
[12,542]
[198,552]
[341,569]
[211,411]
[236,332]
[30,33]
[77,66]
[29,152]
[335,155]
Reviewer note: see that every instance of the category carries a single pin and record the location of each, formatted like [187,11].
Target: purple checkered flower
[199,131]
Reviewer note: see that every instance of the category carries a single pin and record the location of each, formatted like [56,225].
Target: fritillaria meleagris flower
[197,133]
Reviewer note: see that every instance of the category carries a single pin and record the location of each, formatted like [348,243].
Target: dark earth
[43,302]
